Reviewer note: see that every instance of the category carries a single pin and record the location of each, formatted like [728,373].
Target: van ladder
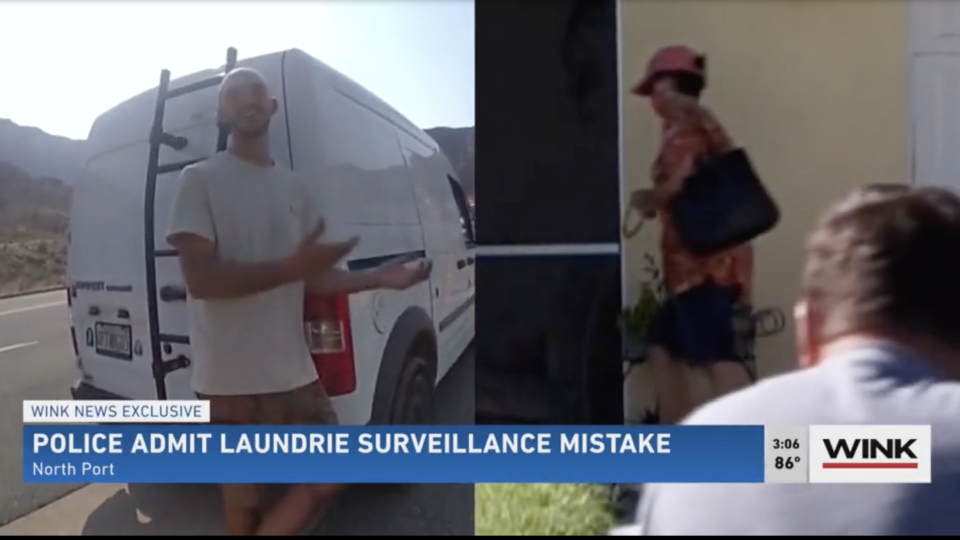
[160,343]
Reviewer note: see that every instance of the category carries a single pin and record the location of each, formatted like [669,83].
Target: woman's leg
[727,376]
[667,371]
[670,384]
[725,371]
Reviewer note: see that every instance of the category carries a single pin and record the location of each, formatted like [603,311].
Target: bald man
[247,235]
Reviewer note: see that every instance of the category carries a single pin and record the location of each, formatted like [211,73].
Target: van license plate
[113,340]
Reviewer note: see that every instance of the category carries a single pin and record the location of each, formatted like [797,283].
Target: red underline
[871,465]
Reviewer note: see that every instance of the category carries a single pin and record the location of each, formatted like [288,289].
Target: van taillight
[327,327]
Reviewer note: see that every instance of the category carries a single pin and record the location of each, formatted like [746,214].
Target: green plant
[635,320]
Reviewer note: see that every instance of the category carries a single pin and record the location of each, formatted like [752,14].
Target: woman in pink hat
[695,324]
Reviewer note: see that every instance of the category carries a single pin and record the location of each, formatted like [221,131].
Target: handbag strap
[718,140]
[629,231]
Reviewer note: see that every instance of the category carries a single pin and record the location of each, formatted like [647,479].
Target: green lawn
[541,510]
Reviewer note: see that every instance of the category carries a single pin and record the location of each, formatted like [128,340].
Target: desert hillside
[36,171]
[33,224]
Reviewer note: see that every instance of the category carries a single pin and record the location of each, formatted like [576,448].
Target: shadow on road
[158,510]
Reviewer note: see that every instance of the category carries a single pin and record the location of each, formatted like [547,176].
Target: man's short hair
[887,258]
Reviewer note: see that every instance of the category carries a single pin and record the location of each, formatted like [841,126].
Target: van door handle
[173,293]
[461,264]
[123,314]
[470,261]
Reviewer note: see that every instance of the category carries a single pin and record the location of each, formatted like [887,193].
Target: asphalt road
[36,363]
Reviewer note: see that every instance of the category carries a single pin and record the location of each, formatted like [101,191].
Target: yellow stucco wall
[816,90]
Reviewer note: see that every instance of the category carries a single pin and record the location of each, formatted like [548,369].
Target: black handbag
[722,205]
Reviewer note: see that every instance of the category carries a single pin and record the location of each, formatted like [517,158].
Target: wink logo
[869,454]
[875,453]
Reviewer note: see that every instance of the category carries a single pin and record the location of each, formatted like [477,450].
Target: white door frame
[913,38]
[917,41]
[621,182]
[910,46]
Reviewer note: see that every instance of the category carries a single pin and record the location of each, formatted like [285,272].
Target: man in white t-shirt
[876,329]
[247,234]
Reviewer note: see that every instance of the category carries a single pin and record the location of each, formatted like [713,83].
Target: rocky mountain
[459,144]
[37,169]
[33,224]
[28,199]
[39,153]
[43,155]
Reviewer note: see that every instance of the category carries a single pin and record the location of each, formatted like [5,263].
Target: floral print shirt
[690,135]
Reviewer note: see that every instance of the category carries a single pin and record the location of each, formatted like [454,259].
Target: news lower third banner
[201,454]
[155,451]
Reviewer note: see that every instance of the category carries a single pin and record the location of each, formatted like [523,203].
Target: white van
[378,176]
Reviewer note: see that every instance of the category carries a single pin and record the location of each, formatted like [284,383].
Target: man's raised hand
[313,257]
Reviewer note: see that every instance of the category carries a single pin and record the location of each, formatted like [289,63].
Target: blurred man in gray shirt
[878,333]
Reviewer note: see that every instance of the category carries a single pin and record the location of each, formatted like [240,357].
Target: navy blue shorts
[697,325]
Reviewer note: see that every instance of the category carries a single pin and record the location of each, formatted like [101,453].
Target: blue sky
[64,63]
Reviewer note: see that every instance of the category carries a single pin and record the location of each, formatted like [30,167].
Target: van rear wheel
[413,404]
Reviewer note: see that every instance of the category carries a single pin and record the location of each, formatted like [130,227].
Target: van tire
[413,401]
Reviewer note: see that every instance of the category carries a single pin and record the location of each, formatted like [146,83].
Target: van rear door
[105,272]
[126,279]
